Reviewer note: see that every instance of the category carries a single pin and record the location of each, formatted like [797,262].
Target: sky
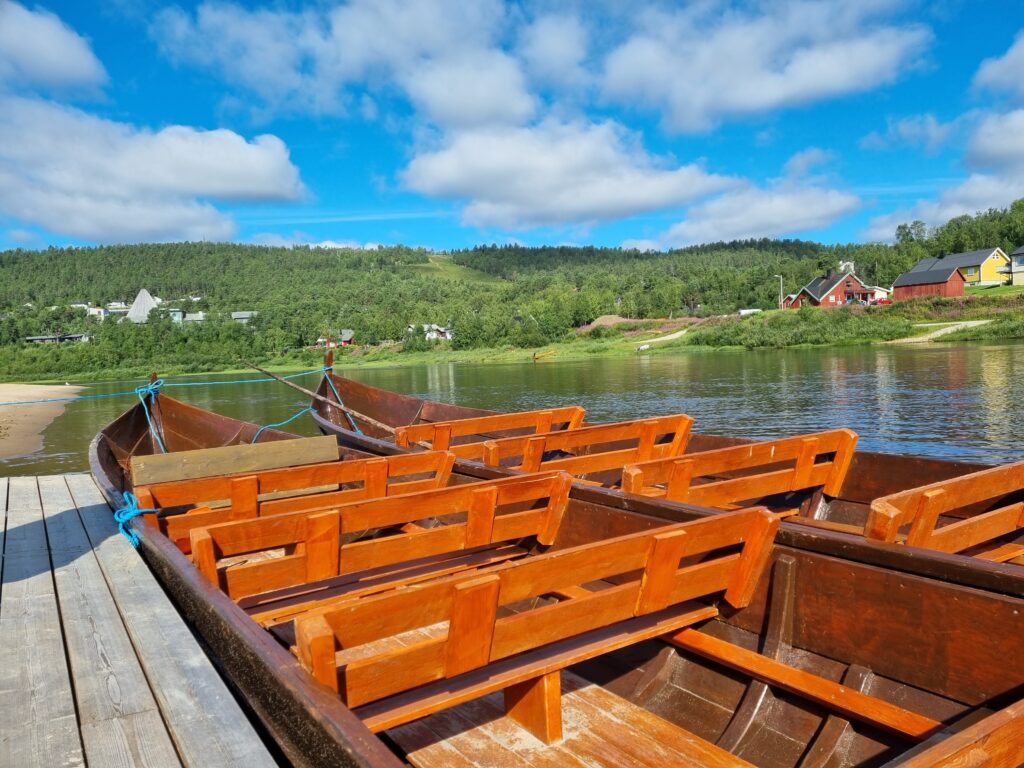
[450,123]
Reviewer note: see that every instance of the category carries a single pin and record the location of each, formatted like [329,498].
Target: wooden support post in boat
[471,627]
[537,706]
[314,642]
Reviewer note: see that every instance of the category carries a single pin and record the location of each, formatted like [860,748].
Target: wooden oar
[344,409]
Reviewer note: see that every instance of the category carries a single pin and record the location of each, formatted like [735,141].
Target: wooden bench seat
[246,495]
[658,579]
[592,449]
[980,510]
[465,437]
[724,477]
[832,695]
[600,729]
[334,542]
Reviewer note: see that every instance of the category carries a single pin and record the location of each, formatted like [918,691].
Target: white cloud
[923,131]
[996,155]
[83,176]
[801,163]
[555,173]
[998,143]
[38,50]
[780,209]
[553,49]
[709,62]
[1006,72]
[479,88]
[301,239]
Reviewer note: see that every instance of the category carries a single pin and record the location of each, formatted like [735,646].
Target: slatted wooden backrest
[654,570]
[440,434]
[596,448]
[485,513]
[790,464]
[366,478]
[921,507]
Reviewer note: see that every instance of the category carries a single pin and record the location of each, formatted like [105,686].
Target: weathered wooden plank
[3,526]
[25,533]
[37,712]
[207,725]
[232,459]
[117,713]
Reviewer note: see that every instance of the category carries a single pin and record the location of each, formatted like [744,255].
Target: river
[955,401]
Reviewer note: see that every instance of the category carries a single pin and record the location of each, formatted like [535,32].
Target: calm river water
[945,400]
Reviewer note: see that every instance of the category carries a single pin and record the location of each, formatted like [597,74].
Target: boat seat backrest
[333,542]
[968,497]
[751,471]
[316,486]
[656,572]
[473,431]
[592,449]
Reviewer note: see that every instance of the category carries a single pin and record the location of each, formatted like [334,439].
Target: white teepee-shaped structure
[141,307]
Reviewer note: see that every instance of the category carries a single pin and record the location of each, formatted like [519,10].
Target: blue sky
[447,124]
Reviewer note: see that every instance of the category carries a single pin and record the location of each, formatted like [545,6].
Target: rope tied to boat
[127,513]
[328,369]
[152,389]
[289,420]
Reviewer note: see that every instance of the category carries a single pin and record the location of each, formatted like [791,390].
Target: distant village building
[58,338]
[102,313]
[1017,266]
[834,289]
[346,337]
[243,317]
[987,266]
[144,304]
[195,317]
[942,281]
[432,332]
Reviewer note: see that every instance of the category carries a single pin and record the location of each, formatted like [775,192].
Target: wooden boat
[821,478]
[837,651]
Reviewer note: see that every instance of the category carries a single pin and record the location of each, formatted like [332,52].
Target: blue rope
[151,390]
[125,514]
[165,386]
[289,420]
[330,380]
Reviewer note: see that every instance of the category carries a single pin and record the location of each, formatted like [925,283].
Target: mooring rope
[330,380]
[151,390]
[289,420]
[126,514]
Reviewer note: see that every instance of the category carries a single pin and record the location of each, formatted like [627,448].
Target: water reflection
[951,401]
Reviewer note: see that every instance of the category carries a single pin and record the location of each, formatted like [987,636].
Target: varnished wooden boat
[848,652]
[831,522]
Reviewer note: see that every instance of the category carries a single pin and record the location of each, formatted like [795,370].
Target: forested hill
[491,295]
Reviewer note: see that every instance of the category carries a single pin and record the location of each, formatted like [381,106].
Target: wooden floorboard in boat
[79,682]
[600,729]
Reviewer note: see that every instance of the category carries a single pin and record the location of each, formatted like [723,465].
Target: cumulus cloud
[1006,72]
[84,176]
[555,173]
[801,163]
[923,131]
[708,62]
[439,53]
[553,49]
[779,209]
[995,154]
[38,50]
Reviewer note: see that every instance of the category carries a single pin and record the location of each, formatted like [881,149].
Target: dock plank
[117,713]
[38,724]
[207,725]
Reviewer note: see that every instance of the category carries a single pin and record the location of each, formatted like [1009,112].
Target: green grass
[444,267]
[993,290]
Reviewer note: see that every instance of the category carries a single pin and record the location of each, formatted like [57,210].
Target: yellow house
[988,266]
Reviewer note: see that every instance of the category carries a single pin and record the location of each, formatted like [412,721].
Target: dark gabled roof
[1018,252]
[953,260]
[821,286]
[929,277]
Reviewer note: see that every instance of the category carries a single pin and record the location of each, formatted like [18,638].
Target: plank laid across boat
[389,603]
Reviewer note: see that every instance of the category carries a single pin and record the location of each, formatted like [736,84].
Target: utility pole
[780,290]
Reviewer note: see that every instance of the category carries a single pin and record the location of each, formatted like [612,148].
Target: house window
[1018,261]
[972,271]
[832,299]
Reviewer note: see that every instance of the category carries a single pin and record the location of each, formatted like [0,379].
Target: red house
[833,289]
[944,281]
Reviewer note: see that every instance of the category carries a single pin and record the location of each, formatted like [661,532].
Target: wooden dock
[98,668]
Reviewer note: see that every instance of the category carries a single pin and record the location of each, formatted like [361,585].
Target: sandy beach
[21,426]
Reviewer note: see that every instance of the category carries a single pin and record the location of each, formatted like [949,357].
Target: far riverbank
[22,426]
